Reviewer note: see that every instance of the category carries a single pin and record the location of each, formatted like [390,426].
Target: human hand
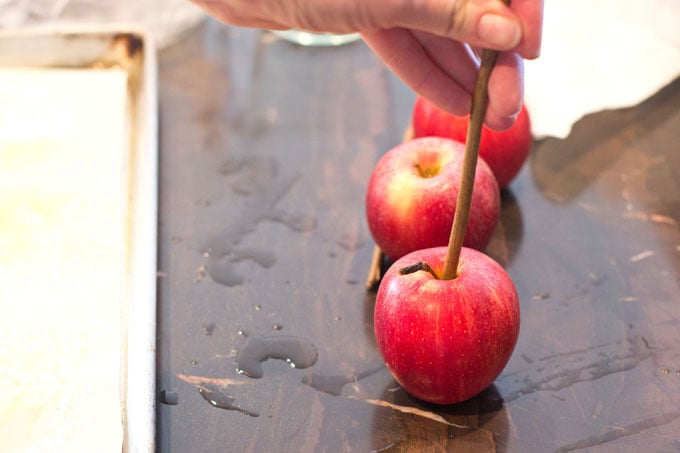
[431,45]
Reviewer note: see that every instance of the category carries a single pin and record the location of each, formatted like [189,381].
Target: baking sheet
[117,48]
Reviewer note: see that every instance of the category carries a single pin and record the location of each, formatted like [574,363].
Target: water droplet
[223,268]
[257,177]
[596,278]
[194,362]
[208,328]
[252,174]
[351,240]
[296,222]
[298,352]
[169,397]
[665,371]
[257,307]
[277,327]
[218,397]
[333,384]
[224,273]
[200,273]
[330,384]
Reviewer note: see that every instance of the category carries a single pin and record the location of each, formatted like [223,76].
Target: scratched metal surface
[266,149]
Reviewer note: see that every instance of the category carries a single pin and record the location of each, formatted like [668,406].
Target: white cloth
[600,55]
[166,19]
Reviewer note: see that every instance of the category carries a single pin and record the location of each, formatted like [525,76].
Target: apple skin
[407,211]
[445,341]
[504,151]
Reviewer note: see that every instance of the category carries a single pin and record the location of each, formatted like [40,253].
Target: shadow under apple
[405,423]
[507,239]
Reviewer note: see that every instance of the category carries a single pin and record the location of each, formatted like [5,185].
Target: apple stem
[419,266]
[474,133]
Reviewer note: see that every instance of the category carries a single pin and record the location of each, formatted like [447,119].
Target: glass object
[305,38]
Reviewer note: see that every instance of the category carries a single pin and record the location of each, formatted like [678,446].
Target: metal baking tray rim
[132,48]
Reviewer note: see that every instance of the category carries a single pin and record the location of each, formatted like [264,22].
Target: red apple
[504,151]
[411,197]
[445,341]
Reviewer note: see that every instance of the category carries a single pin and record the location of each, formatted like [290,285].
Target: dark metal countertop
[266,150]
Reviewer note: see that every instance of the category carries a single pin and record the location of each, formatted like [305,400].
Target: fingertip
[530,15]
[506,90]
[499,123]
[499,32]
[458,103]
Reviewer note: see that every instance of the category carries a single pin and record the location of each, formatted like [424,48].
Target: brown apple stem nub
[419,266]
[474,133]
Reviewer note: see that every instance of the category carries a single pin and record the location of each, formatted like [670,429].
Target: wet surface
[266,150]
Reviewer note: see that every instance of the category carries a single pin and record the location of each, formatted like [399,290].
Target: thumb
[481,23]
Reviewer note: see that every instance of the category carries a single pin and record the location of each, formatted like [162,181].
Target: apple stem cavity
[474,133]
[427,171]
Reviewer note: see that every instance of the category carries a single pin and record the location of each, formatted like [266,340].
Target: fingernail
[499,32]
